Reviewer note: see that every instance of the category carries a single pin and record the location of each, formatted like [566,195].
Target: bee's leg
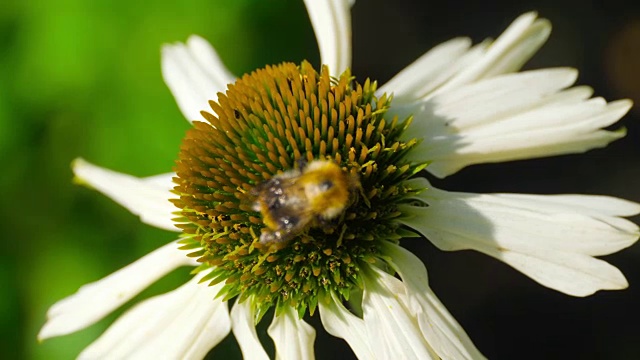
[273,240]
[302,163]
[274,237]
[327,225]
[269,237]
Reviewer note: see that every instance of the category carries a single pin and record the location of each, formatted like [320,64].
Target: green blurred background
[82,78]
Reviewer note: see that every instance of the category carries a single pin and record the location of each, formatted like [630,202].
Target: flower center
[290,185]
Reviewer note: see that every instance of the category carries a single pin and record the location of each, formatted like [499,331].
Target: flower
[455,106]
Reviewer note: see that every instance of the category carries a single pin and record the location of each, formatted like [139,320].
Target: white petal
[479,113]
[551,240]
[512,117]
[391,326]
[195,74]
[244,329]
[162,180]
[340,322]
[501,96]
[147,198]
[427,72]
[452,64]
[94,301]
[331,21]
[593,205]
[508,53]
[441,330]
[292,336]
[182,324]
[542,143]
[444,120]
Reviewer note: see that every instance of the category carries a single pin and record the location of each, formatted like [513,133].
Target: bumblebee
[301,198]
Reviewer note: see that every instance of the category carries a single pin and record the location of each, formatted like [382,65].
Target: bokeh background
[82,78]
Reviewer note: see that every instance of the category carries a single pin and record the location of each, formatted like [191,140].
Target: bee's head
[327,188]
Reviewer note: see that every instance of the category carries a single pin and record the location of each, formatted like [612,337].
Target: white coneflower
[455,106]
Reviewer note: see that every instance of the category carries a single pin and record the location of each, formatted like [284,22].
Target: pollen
[287,182]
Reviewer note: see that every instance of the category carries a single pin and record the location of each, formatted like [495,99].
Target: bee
[297,199]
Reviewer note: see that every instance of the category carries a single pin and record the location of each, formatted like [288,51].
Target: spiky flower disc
[261,127]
